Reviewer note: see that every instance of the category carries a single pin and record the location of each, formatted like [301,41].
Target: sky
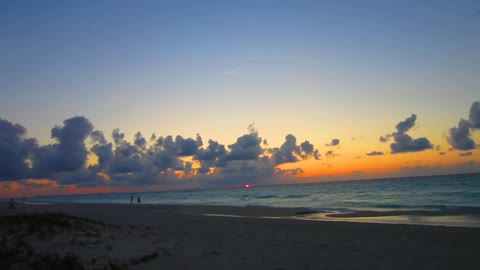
[235,92]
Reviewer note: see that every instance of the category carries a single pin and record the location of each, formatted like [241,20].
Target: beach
[133,236]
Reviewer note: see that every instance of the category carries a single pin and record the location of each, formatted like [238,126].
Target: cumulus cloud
[102,149]
[247,147]
[139,140]
[209,155]
[403,142]
[334,142]
[459,137]
[248,168]
[15,150]
[98,137]
[288,152]
[124,158]
[188,146]
[375,153]
[69,153]
[404,126]
[142,161]
[474,116]
[81,177]
[308,150]
[291,152]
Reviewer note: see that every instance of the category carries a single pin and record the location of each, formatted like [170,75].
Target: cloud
[385,138]
[80,177]
[404,126]
[102,149]
[291,152]
[125,158]
[403,142]
[288,152]
[69,153]
[465,154]
[15,150]
[162,159]
[247,147]
[308,150]
[140,161]
[466,167]
[295,171]
[330,154]
[117,136]
[459,137]
[139,140]
[334,142]
[188,146]
[247,160]
[209,155]
[167,159]
[474,116]
[97,136]
[375,153]
[35,183]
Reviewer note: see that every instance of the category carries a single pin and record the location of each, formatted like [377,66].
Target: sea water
[449,192]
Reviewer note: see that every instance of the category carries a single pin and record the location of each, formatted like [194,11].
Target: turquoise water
[452,192]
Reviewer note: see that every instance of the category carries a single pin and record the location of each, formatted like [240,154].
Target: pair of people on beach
[138,199]
[11,204]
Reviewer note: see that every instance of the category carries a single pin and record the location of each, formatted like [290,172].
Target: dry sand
[182,237]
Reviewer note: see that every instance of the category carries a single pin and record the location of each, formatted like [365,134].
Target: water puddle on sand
[436,220]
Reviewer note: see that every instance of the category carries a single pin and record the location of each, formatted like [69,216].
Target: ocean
[448,192]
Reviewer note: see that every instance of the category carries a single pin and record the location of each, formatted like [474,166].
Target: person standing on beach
[138,199]
[11,204]
[131,199]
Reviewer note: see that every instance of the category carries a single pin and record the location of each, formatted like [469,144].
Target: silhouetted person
[138,199]
[131,199]
[11,204]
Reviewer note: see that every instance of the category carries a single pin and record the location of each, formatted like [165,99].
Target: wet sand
[221,237]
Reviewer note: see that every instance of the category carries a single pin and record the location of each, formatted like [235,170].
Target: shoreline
[186,237]
[464,217]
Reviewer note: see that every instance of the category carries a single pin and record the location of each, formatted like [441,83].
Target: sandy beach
[114,236]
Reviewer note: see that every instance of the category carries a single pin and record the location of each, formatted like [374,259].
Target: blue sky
[161,52]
